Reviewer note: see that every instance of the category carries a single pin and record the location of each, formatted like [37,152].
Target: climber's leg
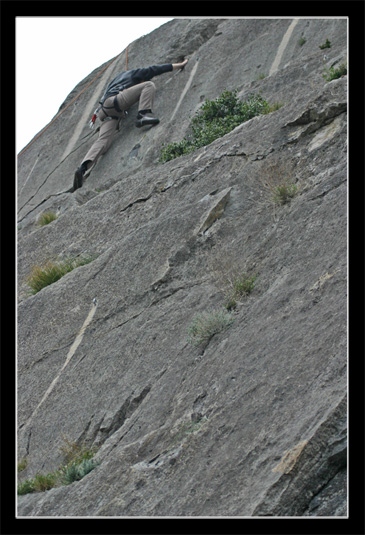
[144,94]
[99,147]
[102,144]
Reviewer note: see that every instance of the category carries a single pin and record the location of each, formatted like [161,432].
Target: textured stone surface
[253,424]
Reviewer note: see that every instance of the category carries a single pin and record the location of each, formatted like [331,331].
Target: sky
[53,54]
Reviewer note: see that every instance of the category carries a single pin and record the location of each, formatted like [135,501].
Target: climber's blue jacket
[135,76]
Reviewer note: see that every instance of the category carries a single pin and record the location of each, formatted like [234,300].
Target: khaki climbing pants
[143,93]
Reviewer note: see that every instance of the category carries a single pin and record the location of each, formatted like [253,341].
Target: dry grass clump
[50,271]
[46,218]
[205,325]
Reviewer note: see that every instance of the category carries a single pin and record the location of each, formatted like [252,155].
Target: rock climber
[121,93]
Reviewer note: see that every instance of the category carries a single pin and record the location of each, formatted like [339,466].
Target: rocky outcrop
[254,422]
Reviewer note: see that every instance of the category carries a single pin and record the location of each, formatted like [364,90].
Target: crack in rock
[113,421]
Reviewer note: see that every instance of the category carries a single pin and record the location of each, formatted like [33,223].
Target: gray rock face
[254,422]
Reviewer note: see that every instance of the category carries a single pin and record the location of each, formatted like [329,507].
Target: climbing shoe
[79,176]
[146,120]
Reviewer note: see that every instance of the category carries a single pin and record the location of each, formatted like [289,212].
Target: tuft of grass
[284,192]
[22,464]
[50,271]
[76,471]
[39,483]
[70,474]
[240,287]
[205,325]
[233,282]
[214,119]
[302,40]
[45,482]
[78,459]
[277,183]
[281,193]
[46,218]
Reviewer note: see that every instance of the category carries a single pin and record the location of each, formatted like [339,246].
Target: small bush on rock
[76,471]
[78,463]
[26,487]
[327,44]
[332,73]
[214,119]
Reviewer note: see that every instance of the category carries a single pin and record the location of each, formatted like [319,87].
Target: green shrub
[332,73]
[26,487]
[205,325]
[327,44]
[46,218]
[49,272]
[214,119]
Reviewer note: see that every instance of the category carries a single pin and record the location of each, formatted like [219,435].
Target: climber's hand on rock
[179,65]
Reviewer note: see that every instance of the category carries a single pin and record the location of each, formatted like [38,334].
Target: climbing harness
[108,117]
